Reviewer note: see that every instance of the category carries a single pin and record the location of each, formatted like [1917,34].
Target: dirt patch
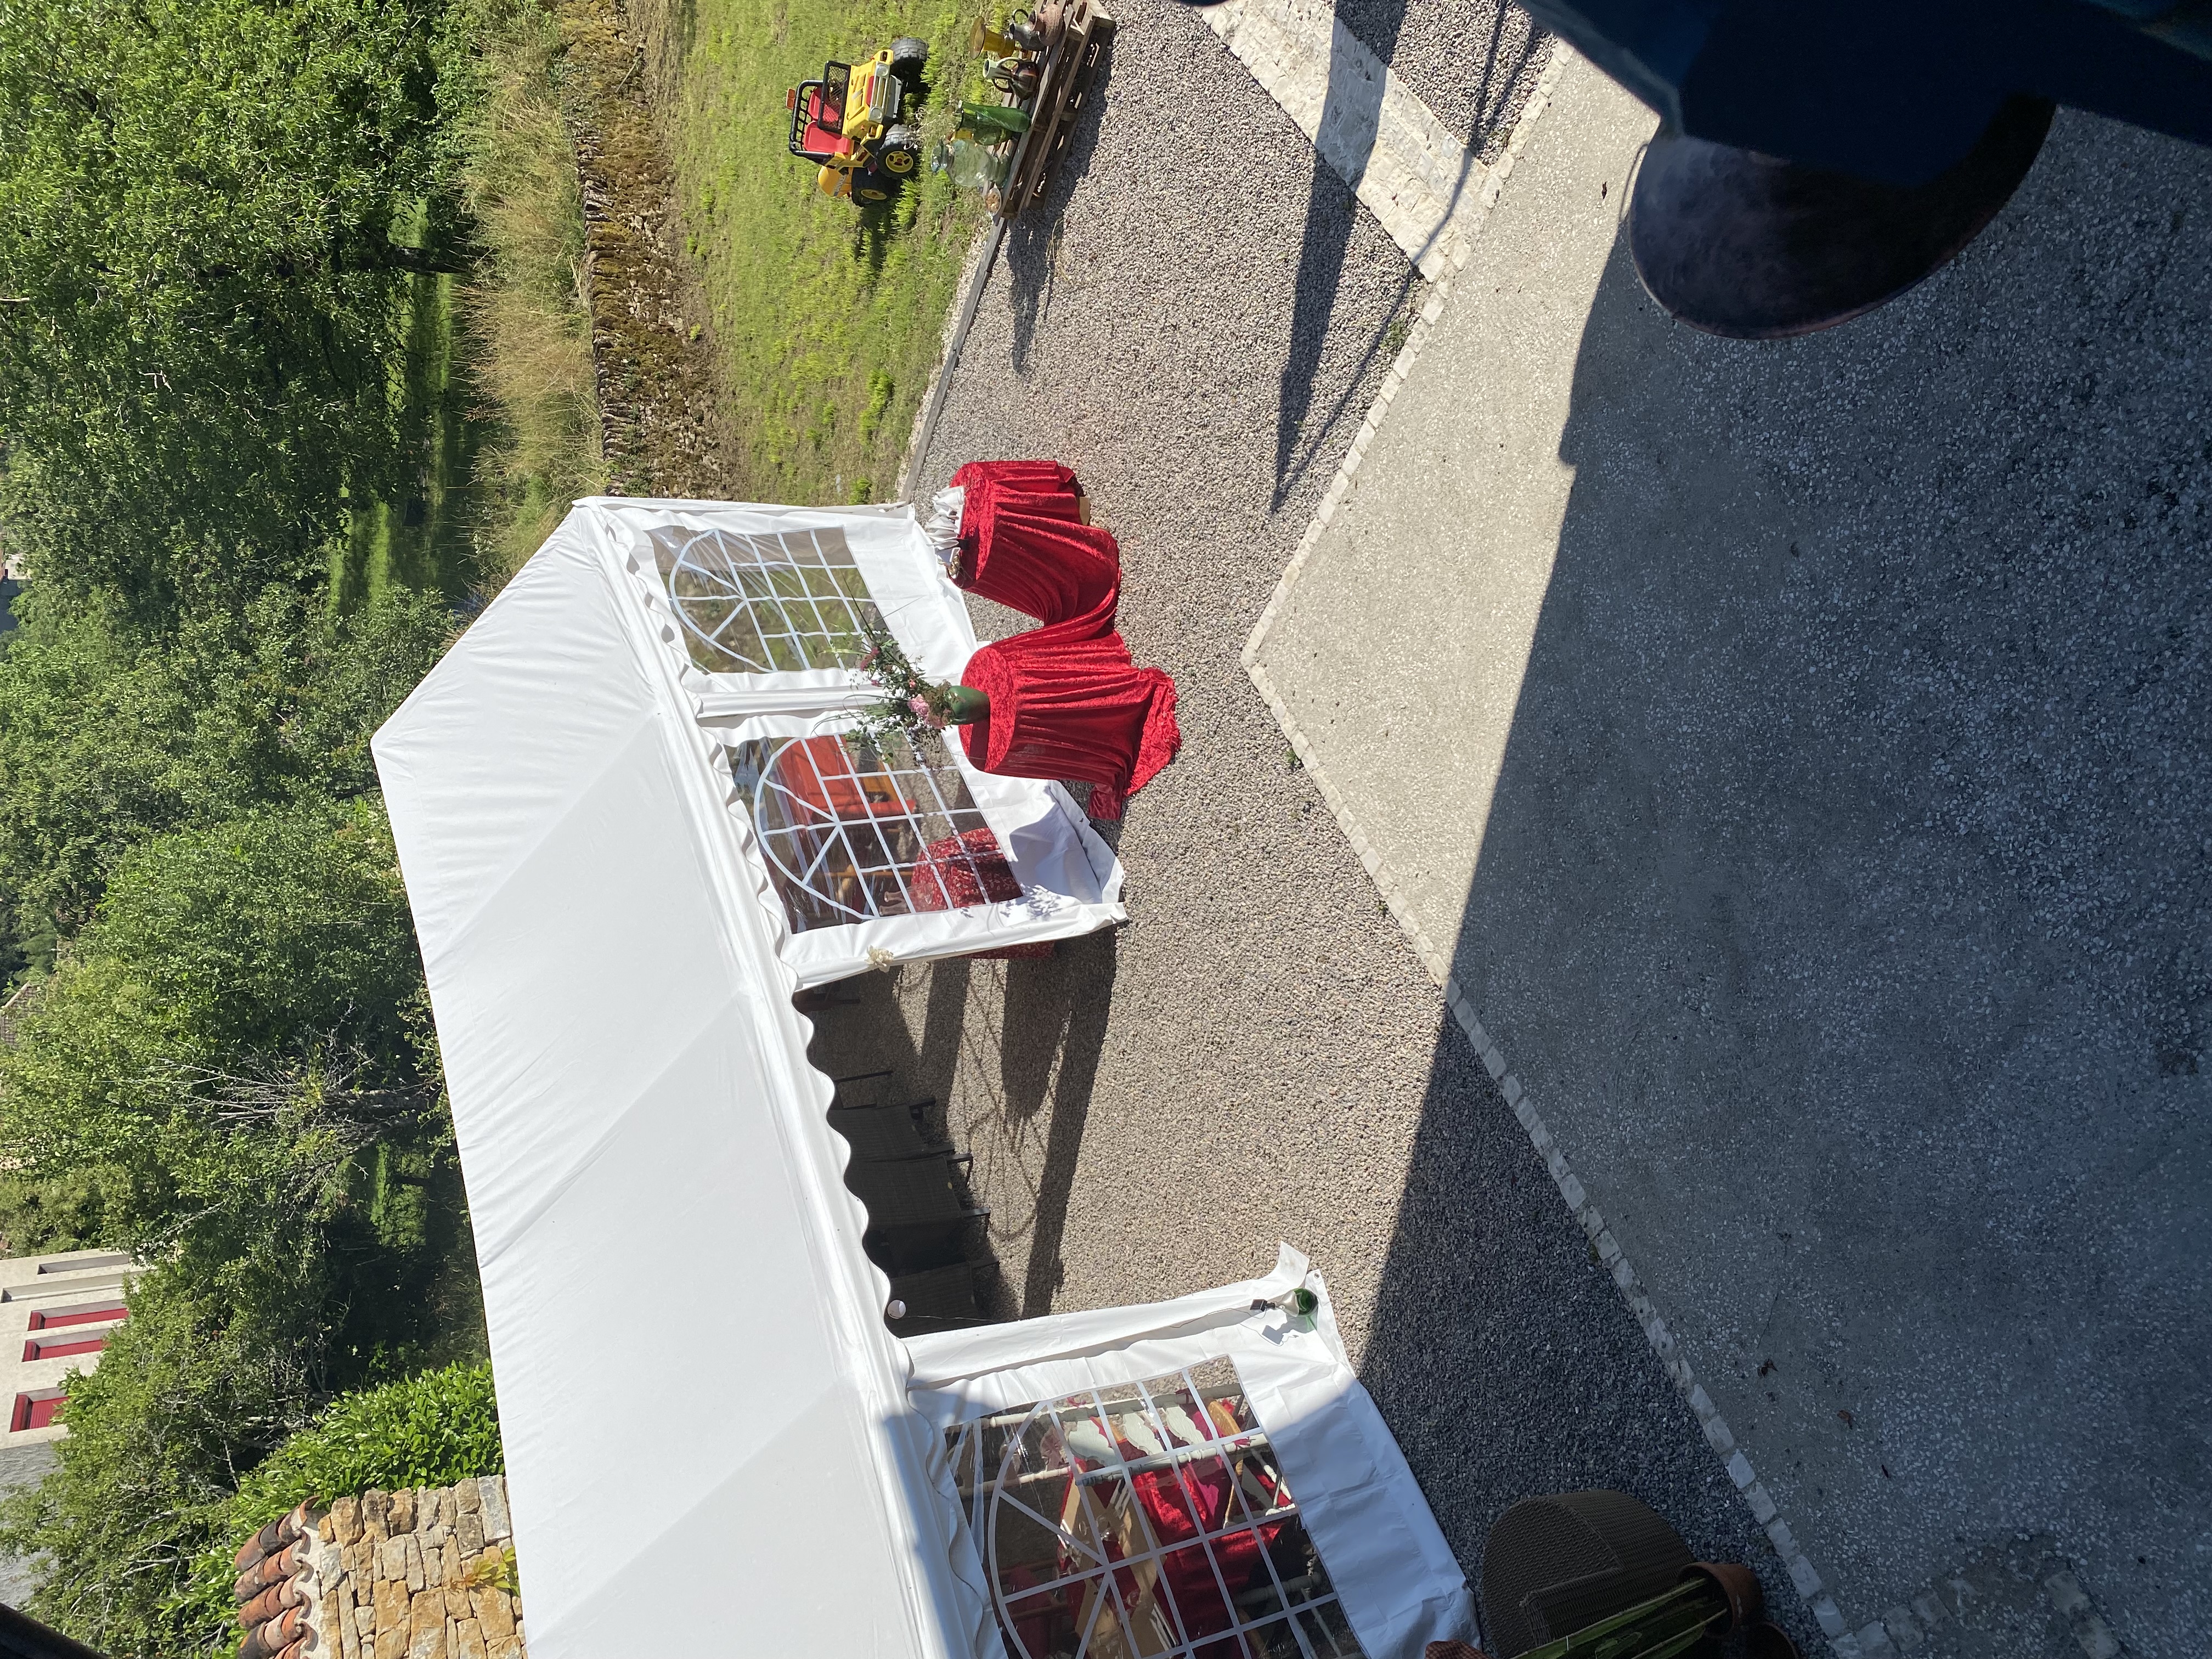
[660,407]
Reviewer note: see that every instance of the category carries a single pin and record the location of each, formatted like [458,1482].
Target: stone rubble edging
[413,1574]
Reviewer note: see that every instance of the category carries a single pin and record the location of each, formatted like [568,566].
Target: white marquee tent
[629,834]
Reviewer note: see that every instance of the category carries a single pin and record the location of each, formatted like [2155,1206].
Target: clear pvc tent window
[1149,1519]
[766,603]
[852,833]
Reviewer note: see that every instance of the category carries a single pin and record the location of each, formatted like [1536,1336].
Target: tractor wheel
[874,187]
[908,56]
[901,151]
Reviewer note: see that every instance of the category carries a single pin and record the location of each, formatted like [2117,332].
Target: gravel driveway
[1198,324]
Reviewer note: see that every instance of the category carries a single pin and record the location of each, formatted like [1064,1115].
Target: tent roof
[696,1383]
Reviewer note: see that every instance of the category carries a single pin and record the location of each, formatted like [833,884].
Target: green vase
[988,121]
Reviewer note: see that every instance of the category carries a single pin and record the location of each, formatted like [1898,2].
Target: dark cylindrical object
[1554,1566]
[22,1636]
[1753,248]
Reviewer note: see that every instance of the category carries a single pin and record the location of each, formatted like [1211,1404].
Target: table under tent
[633,828]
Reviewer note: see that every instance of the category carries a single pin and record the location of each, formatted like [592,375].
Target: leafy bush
[431,1430]
[38,1217]
[187,1394]
[427,1430]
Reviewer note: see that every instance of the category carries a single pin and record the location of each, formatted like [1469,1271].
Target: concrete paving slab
[1798,754]
[1407,169]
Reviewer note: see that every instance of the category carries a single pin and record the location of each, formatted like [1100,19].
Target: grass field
[422,540]
[826,320]
[493,392]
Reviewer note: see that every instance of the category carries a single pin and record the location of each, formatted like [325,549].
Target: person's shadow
[1843,907]
[1353,100]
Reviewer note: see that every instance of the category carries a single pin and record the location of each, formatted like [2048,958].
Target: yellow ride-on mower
[851,121]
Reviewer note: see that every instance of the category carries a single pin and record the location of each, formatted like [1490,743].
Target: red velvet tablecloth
[1053,570]
[1074,708]
[1023,544]
[1036,477]
[1066,700]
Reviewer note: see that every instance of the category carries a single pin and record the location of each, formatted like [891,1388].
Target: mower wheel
[902,150]
[908,56]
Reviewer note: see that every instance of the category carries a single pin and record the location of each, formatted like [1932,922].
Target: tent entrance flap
[1203,1477]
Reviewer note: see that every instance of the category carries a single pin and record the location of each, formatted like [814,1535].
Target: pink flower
[868,659]
[922,712]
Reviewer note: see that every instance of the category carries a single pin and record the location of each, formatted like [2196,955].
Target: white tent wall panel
[1062,896]
[1071,881]
[1387,1560]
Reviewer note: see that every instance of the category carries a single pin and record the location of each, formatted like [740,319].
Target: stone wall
[419,1573]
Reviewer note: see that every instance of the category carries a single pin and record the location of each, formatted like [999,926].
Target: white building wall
[39,1289]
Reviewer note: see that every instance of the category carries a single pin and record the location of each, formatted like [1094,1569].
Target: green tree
[198,275]
[236,1053]
[109,735]
[191,1393]
[239,1048]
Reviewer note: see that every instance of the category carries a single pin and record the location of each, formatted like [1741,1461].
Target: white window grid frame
[836,614]
[1287,1614]
[835,830]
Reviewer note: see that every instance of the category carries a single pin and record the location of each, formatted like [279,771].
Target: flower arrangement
[917,704]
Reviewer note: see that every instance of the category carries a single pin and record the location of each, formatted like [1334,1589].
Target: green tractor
[853,122]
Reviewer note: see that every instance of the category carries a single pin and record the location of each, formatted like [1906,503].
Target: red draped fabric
[1037,477]
[1067,702]
[1023,544]
[1053,570]
[1063,706]
[1169,1503]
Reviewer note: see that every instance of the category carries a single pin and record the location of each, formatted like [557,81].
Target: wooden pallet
[1071,64]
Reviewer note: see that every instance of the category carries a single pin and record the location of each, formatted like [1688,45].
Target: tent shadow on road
[1845,908]
[1043,1021]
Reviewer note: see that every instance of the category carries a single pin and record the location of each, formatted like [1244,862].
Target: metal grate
[775,603]
[1148,1519]
[851,835]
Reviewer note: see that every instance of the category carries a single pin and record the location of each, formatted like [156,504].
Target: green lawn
[826,320]
[421,541]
